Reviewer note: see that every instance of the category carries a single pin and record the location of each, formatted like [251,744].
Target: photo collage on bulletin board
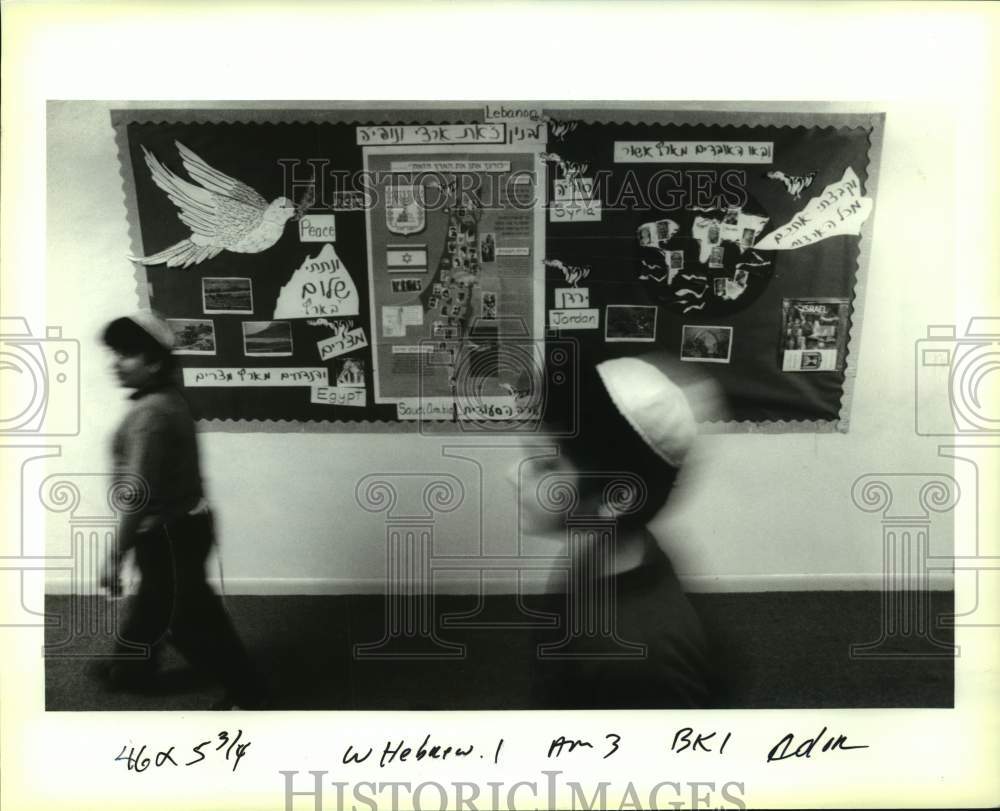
[352,269]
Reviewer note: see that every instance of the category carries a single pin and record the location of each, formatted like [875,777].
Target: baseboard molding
[745,583]
[700,584]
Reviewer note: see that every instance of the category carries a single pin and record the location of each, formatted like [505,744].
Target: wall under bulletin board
[454,264]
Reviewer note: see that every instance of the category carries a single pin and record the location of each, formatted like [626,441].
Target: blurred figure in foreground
[631,638]
[171,530]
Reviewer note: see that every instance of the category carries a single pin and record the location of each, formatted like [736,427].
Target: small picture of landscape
[193,336]
[221,295]
[269,339]
[635,323]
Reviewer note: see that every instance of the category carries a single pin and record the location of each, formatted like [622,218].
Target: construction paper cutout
[321,286]
[840,210]
[224,214]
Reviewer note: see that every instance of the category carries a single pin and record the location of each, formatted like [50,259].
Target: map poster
[465,224]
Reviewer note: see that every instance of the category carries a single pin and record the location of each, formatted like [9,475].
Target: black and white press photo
[429,447]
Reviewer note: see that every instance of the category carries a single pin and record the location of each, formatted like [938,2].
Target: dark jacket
[156,443]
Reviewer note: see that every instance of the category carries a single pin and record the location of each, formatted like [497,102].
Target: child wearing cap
[631,638]
[169,526]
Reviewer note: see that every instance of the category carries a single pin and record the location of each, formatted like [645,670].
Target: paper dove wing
[216,181]
[223,213]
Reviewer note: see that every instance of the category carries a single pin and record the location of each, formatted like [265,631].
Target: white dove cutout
[224,214]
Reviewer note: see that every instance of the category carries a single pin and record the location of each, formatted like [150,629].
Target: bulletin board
[456,265]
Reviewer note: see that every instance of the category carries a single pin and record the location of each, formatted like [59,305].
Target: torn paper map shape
[320,287]
[839,211]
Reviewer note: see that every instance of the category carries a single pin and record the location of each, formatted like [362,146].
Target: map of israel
[453,243]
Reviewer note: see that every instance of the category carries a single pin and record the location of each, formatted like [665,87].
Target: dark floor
[778,650]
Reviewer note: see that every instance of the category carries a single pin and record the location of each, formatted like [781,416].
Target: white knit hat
[653,404]
[154,326]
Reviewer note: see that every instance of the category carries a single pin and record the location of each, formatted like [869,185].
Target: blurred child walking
[171,530]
